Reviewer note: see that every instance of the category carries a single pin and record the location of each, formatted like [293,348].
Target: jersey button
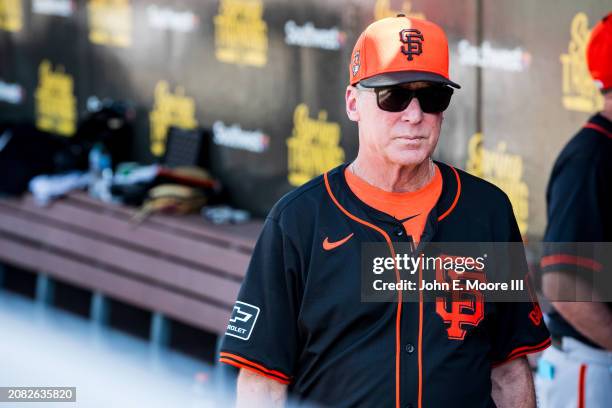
[399,231]
[409,348]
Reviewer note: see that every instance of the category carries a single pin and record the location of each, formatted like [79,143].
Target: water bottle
[100,168]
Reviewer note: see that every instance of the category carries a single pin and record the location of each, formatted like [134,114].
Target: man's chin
[409,158]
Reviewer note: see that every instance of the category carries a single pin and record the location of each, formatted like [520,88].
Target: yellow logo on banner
[55,101]
[382,9]
[110,22]
[313,147]
[11,15]
[169,110]
[579,91]
[241,34]
[503,169]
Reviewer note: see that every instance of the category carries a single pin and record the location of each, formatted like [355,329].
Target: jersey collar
[600,120]
[449,198]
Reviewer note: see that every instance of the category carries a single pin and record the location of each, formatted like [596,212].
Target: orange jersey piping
[522,351]
[399,300]
[241,362]
[452,207]
[571,260]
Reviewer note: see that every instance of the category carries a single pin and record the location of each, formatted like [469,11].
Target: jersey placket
[409,332]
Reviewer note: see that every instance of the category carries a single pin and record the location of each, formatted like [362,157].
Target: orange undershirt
[414,205]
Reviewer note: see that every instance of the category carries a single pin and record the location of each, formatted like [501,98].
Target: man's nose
[413,112]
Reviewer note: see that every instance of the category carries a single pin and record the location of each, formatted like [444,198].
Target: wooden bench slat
[222,259]
[243,236]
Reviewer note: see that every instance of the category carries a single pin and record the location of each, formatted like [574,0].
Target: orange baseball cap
[599,53]
[397,50]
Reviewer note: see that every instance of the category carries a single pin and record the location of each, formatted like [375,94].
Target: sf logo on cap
[412,40]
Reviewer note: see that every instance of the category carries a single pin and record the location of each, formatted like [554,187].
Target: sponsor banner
[487,56]
[11,15]
[579,91]
[169,109]
[166,18]
[503,169]
[11,93]
[241,34]
[55,101]
[308,35]
[314,146]
[61,8]
[235,137]
[110,22]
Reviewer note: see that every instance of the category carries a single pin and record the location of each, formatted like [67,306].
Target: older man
[300,323]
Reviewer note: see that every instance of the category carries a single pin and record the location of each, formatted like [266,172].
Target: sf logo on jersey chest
[460,308]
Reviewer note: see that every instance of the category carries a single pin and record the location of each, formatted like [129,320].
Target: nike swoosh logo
[328,246]
[409,218]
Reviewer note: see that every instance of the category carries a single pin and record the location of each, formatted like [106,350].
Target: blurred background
[142,142]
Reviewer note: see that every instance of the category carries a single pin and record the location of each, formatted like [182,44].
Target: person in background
[577,370]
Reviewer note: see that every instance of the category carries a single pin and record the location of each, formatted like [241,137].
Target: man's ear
[351,103]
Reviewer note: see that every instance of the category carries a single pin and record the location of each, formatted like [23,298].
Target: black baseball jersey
[299,318]
[579,198]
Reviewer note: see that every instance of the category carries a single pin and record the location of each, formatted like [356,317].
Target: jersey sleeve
[576,211]
[519,330]
[518,326]
[262,334]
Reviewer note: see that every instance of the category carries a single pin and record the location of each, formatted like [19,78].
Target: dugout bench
[178,267]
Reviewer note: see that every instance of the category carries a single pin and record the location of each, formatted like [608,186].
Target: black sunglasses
[433,99]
